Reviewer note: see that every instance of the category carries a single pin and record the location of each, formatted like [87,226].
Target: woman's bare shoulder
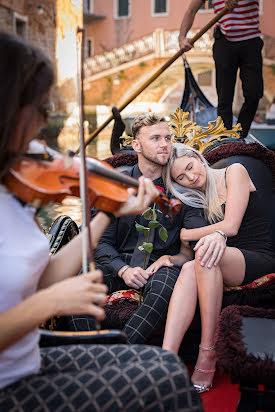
[237,172]
[236,169]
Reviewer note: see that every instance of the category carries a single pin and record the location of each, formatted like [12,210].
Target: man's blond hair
[145,119]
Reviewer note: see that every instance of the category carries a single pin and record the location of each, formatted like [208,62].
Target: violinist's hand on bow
[136,205]
[210,249]
[79,295]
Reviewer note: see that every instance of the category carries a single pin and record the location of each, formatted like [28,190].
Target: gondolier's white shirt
[24,254]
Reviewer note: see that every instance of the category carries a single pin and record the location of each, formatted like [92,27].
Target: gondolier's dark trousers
[230,56]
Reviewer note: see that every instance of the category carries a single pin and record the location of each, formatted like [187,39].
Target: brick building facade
[51,26]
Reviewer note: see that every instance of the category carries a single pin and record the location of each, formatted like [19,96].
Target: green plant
[150,214]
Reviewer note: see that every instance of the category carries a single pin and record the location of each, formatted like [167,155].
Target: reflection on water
[71,206]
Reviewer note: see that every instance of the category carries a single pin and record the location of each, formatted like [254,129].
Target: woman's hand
[83,294]
[136,205]
[210,249]
[162,261]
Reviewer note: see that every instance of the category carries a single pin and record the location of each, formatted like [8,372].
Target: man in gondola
[117,253]
[237,45]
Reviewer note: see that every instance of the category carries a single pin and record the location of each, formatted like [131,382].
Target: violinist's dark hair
[25,76]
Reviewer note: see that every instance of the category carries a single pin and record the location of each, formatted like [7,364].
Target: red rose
[160,188]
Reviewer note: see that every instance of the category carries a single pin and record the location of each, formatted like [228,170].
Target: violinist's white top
[24,254]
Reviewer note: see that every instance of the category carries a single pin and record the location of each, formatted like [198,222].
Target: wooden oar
[156,74]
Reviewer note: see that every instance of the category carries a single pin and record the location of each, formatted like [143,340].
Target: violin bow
[87,247]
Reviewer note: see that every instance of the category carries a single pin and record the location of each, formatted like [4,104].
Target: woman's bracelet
[223,234]
[124,270]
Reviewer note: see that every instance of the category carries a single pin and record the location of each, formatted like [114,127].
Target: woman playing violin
[35,287]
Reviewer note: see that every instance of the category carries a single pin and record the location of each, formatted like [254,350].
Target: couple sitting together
[219,237]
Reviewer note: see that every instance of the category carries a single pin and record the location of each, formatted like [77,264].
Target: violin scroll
[169,207]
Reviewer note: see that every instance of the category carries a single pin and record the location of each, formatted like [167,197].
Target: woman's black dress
[254,241]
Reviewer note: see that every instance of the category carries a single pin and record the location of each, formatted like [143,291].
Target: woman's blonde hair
[209,200]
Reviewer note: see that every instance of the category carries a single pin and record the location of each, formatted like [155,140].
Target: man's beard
[154,159]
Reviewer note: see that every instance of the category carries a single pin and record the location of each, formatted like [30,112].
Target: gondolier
[237,45]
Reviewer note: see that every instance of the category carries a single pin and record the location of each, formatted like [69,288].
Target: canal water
[71,206]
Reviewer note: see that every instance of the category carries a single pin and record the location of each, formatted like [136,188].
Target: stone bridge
[160,43]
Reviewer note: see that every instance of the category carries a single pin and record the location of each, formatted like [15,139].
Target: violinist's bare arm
[84,295]
[67,262]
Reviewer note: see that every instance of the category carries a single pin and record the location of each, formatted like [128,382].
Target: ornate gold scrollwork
[191,134]
[180,124]
[127,141]
[200,137]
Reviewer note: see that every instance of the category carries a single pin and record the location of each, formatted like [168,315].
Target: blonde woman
[231,205]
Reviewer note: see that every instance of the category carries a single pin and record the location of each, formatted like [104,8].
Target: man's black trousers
[229,56]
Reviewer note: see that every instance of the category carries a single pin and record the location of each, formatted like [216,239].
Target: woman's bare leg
[182,308]
[232,265]
[210,290]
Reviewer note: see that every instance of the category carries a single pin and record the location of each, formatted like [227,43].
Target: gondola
[244,327]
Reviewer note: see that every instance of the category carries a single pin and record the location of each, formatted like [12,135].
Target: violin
[44,176]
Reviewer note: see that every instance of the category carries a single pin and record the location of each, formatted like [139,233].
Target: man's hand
[136,277]
[210,249]
[231,4]
[184,43]
[162,261]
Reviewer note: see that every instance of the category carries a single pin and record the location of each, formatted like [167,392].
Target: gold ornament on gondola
[180,124]
[127,141]
[200,137]
[188,132]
